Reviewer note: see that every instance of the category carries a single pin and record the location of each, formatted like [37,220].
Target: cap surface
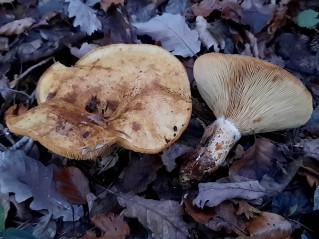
[138,94]
[255,95]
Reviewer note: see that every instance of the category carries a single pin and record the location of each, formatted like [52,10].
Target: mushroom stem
[212,150]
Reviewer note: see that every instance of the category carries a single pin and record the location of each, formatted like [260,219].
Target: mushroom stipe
[247,95]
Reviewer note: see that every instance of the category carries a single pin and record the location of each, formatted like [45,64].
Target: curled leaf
[16,27]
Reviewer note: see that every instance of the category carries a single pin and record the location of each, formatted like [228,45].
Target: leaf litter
[269,188]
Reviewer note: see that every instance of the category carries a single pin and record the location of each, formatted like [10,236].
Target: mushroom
[247,96]
[137,96]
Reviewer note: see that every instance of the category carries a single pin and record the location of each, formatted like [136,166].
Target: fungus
[137,96]
[247,95]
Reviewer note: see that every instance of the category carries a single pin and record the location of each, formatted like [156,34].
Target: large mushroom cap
[255,95]
[138,96]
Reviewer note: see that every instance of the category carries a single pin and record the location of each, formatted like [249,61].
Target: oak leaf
[163,218]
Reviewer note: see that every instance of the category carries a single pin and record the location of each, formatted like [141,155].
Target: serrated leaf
[212,194]
[163,218]
[84,17]
[26,178]
[308,18]
[173,33]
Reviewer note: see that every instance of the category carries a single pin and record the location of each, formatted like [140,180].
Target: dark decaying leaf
[276,184]
[140,172]
[172,153]
[260,159]
[293,201]
[105,4]
[212,194]
[111,225]
[268,225]
[163,218]
[313,123]
[223,216]
[45,228]
[310,169]
[26,178]
[72,184]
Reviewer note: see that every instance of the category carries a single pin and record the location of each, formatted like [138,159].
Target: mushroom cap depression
[255,95]
[137,96]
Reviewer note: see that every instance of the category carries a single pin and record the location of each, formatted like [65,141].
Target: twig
[19,77]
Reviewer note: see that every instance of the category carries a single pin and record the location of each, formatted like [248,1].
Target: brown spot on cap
[91,105]
[136,126]
[51,95]
[219,146]
[86,134]
[257,120]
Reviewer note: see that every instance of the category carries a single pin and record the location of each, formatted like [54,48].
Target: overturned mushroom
[247,95]
[137,96]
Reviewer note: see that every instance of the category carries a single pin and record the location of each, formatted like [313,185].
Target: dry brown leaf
[223,216]
[72,184]
[112,226]
[105,4]
[260,159]
[230,9]
[310,169]
[268,225]
[16,27]
[245,208]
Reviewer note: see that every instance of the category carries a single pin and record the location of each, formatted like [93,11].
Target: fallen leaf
[260,159]
[230,9]
[313,123]
[276,184]
[172,153]
[45,228]
[223,216]
[72,184]
[268,225]
[140,172]
[292,202]
[310,148]
[257,17]
[84,17]
[16,27]
[173,33]
[105,4]
[112,226]
[308,18]
[176,6]
[310,169]
[4,209]
[212,194]
[204,35]
[163,218]
[83,50]
[26,178]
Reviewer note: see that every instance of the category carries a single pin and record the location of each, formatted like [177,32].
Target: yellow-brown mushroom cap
[255,95]
[138,96]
